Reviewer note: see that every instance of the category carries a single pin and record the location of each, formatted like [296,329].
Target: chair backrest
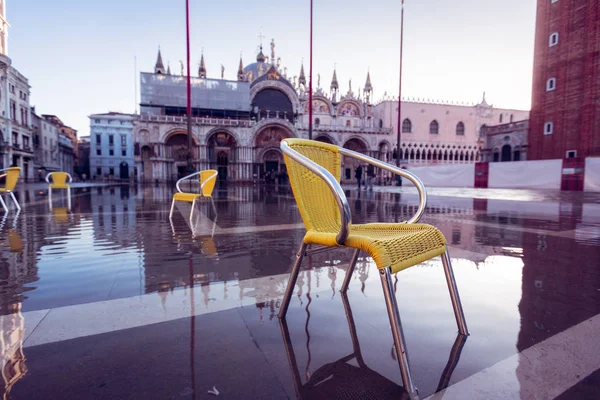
[59,178]
[209,179]
[12,177]
[315,201]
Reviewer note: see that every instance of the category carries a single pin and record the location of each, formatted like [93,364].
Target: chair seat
[398,246]
[189,197]
[59,186]
[3,190]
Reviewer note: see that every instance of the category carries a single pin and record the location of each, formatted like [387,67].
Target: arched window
[500,120]
[380,123]
[348,123]
[550,84]
[553,41]
[434,127]
[317,122]
[460,129]
[406,126]
[511,117]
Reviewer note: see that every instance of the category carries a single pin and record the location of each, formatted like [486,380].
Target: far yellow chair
[12,177]
[208,179]
[59,181]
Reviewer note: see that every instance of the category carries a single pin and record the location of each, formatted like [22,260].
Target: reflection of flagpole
[310,75]
[399,181]
[192,325]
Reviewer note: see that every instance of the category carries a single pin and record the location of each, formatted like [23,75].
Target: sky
[80,55]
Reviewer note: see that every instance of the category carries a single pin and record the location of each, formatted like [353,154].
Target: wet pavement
[112,300]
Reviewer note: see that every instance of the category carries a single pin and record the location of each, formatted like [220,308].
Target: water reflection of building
[12,332]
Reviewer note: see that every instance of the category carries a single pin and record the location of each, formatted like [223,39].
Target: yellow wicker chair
[208,179]
[314,171]
[12,177]
[59,181]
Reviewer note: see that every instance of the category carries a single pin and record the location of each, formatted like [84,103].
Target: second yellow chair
[208,179]
[59,181]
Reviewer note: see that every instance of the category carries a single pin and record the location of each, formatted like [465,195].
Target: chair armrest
[184,178]
[334,186]
[398,171]
[48,177]
[70,178]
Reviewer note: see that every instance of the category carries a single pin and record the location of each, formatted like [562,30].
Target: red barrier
[573,174]
[482,173]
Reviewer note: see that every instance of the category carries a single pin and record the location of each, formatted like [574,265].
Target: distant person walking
[370,176]
[358,174]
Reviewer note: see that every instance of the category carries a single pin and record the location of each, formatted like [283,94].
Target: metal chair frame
[68,189]
[385,273]
[213,176]
[10,192]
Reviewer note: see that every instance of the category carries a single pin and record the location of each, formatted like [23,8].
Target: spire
[334,82]
[159,68]
[260,57]
[483,102]
[240,73]
[202,69]
[168,69]
[302,78]
[368,86]
[368,90]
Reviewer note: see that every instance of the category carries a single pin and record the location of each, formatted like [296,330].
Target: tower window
[553,41]
[548,128]
[550,84]
[571,153]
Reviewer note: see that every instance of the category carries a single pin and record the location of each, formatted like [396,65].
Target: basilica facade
[237,125]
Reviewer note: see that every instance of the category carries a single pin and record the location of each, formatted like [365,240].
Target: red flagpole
[189,87]
[310,74]
[398,154]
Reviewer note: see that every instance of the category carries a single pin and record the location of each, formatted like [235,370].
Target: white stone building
[111,145]
[237,125]
[16,147]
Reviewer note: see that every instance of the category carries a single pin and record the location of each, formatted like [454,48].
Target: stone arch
[321,106]
[218,130]
[287,90]
[360,143]
[270,135]
[170,134]
[325,138]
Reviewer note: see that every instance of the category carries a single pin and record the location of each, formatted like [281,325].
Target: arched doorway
[324,139]
[222,149]
[269,158]
[176,149]
[506,153]
[349,163]
[124,170]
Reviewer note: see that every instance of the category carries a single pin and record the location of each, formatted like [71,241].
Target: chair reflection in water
[341,379]
[203,231]
[11,176]
[207,180]
[60,180]
[314,169]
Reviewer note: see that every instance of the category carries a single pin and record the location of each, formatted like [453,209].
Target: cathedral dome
[256,70]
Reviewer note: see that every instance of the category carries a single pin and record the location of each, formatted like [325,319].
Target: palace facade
[237,125]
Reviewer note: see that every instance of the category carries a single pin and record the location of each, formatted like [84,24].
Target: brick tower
[565,108]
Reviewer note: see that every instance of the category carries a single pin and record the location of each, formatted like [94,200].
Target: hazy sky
[79,54]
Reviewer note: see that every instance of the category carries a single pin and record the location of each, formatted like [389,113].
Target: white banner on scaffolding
[541,174]
[592,174]
[458,175]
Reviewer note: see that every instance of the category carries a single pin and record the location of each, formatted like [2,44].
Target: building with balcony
[16,145]
[111,146]
[237,124]
[45,145]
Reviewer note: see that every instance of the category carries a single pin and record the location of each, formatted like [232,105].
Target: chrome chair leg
[192,212]
[454,297]
[172,207]
[50,198]
[15,200]
[292,282]
[350,270]
[399,341]
[3,204]
[69,197]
